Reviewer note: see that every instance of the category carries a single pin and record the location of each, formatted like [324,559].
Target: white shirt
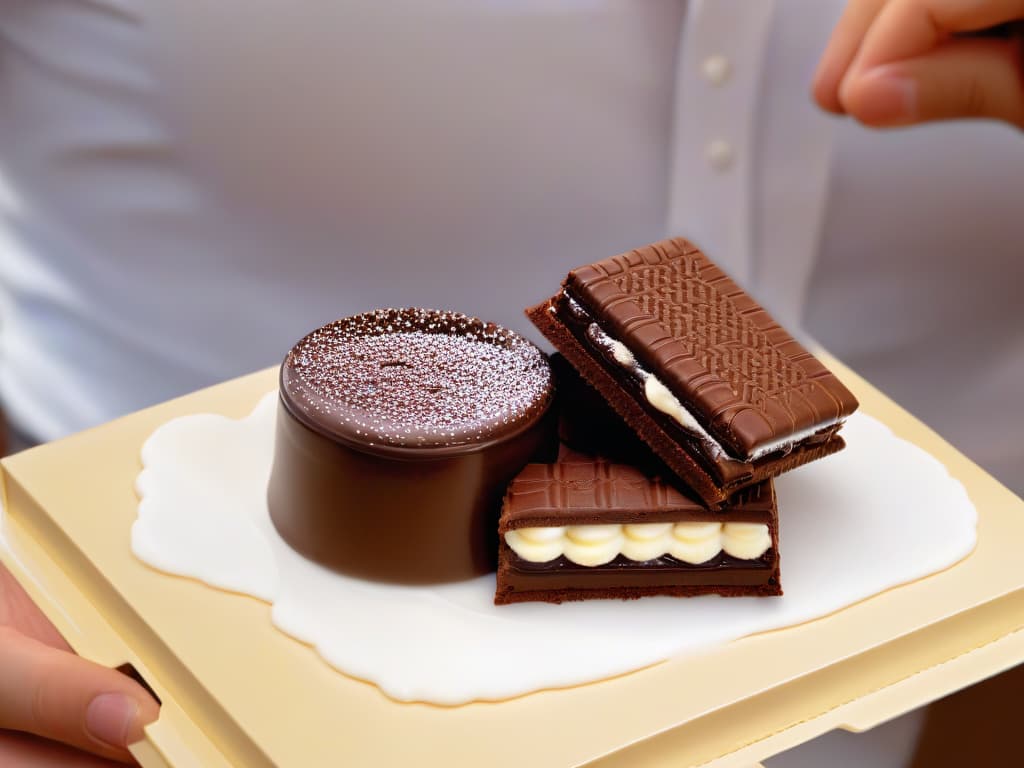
[186,188]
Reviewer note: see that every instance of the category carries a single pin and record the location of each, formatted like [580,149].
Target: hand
[48,691]
[901,62]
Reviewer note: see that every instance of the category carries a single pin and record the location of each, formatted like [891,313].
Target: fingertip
[880,98]
[825,85]
[113,719]
[131,709]
[826,97]
[841,52]
[117,719]
[843,94]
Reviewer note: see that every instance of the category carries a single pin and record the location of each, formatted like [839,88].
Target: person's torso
[192,186]
[186,188]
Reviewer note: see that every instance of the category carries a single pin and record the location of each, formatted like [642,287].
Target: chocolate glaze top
[415,381]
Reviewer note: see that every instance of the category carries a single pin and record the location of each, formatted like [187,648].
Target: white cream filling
[656,392]
[621,352]
[660,397]
[790,440]
[592,545]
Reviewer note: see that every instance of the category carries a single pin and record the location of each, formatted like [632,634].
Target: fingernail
[886,97]
[110,718]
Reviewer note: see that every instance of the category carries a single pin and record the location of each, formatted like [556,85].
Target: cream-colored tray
[237,692]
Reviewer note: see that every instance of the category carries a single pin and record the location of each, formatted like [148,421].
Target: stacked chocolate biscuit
[721,399]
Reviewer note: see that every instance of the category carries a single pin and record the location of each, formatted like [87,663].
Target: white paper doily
[878,514]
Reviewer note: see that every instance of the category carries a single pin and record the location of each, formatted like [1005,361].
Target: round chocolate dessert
[397,433]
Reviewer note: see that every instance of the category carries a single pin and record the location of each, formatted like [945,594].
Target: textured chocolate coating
[597,492]
[587,422]
[418,504]
[713,476]
[726,359]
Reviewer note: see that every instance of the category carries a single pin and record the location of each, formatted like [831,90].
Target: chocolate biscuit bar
[697,368]
[588,529]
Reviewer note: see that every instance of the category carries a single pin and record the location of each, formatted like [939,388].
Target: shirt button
[720,155]
[716,69]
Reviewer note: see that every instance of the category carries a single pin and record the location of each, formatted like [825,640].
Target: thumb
[962,78]
[61,696]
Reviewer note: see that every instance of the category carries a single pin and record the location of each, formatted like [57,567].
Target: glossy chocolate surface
[599,492]
[728,472]
[664,311]
[744,377]
[410,491]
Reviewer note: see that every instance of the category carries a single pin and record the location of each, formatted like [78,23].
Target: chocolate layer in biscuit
[569,531]
[703,374]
